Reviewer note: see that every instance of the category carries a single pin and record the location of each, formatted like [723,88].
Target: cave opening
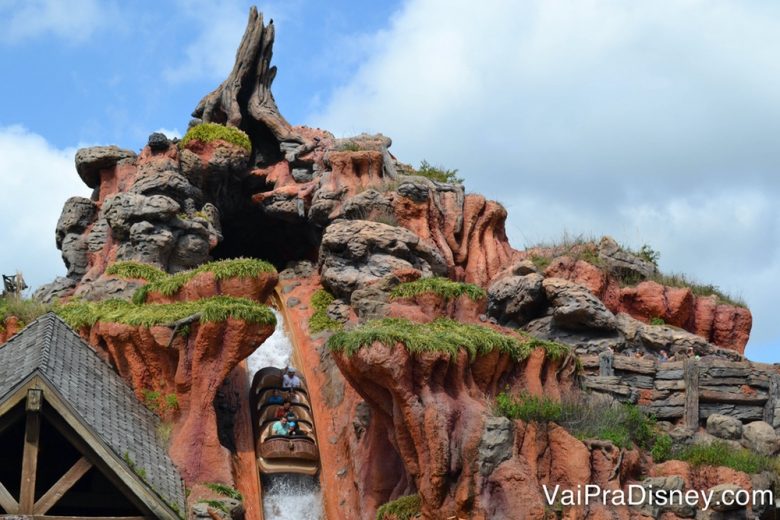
[249,231]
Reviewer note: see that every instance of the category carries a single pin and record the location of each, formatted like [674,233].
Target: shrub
[136,270]
[25,310]
[662,448]
[320,321]
[171,402]
[216,504]
[441,335]
[719,453]
[208,132]
[151,399]
[225,490]
[80,314]
[438,173]
[541,262]
[649,254]
[585,418]
[443,287]
[657,321]
[403,508]
[169,285]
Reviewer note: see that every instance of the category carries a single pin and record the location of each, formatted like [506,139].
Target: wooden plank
[773,399]
[58,490]
[30,455]
[713,396]
[632,364]
[7,501]
[691,371]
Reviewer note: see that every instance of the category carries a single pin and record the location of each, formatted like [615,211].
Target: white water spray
[285,496]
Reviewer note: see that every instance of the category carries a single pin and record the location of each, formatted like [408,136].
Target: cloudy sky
[654,122]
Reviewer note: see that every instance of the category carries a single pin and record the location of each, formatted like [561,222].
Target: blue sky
[653,122]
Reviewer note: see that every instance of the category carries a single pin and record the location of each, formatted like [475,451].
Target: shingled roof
[100,399]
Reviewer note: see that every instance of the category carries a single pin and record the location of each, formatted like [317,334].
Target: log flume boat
[282,453]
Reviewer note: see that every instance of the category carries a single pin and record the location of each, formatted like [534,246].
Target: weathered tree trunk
[244,100]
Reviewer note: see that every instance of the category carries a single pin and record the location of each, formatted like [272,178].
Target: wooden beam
[7,501]
[62,486]
[44,517]
[691,371]
[30,456]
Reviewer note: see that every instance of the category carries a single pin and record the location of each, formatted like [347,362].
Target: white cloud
[74,21]
[170,133]
[651,121]
[40,178]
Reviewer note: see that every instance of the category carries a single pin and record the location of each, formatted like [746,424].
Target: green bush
[662,448]
[225,490]
[80,314]
[441,335]
[438,173]
[657,321]
[169,285]
[719,453]
[208,132]
[25,310]
[443,287]
[621,424]
[403,508]
[320,321]
[136,270]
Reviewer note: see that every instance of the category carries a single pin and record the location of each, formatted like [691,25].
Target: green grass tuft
[442,335]
[216,504]
[208,132]
[438,173]
[444,287]
[80,314]
[719,453]
[320,321]
[234,268]
[136,270]
[225,490]
[403,508]
[25,310]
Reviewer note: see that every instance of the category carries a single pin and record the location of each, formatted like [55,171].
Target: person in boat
[283,411]
[280,427]
[295,429]
[276,398]
[290,379]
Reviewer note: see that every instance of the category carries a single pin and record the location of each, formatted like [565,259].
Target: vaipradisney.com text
[638,494]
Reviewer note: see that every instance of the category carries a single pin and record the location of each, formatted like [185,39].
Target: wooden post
[58,490]
[773,400]
[691,375]
[30,455]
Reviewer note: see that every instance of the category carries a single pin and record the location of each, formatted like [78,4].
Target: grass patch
[541,262]
[25,310]
[225,490]
[223,269]
[439,286]
[164,430]
[80,314]
[438,173]
[622,424]
[403,508]
[208,132]
[719,453]
[320,321]
[442,335]
[657,321]
[216,504]
[136,270]
[698,289]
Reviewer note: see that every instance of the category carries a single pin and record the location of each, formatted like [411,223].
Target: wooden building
[75,442]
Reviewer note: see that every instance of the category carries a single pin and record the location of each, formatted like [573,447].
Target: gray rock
[153,181]
[149,243]
[158,142]
[623,264]
[98,235]
[356,253]
[189,251]
[724,426]
[107,288]
[760,437]
[59,288]
[723,493]
[369,303]
[77,214]
[496,444]
[575,307]
[74,254]
[516,299]
[523,268]
[663,484]
[338,310]
[368,205]
[89,161]
[302,174]
[229,159]
[122,211]
[292,301]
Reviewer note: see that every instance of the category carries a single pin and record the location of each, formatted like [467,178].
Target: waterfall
[285,496]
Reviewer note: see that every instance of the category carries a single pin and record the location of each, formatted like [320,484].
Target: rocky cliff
[428,313]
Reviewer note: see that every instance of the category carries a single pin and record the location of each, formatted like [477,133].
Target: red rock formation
[727,326]
[10,327]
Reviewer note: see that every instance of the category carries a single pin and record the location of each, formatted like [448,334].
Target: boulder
[496,444]
[158,142]
[516,299]
[623,264]
[575,307]
[760,437]
[77,214]
[724,426]
[122,211]
[354,254]
[89,162]
[723,497]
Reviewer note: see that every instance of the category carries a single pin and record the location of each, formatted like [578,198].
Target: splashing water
[274,352]
[291,497]
[285,496]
